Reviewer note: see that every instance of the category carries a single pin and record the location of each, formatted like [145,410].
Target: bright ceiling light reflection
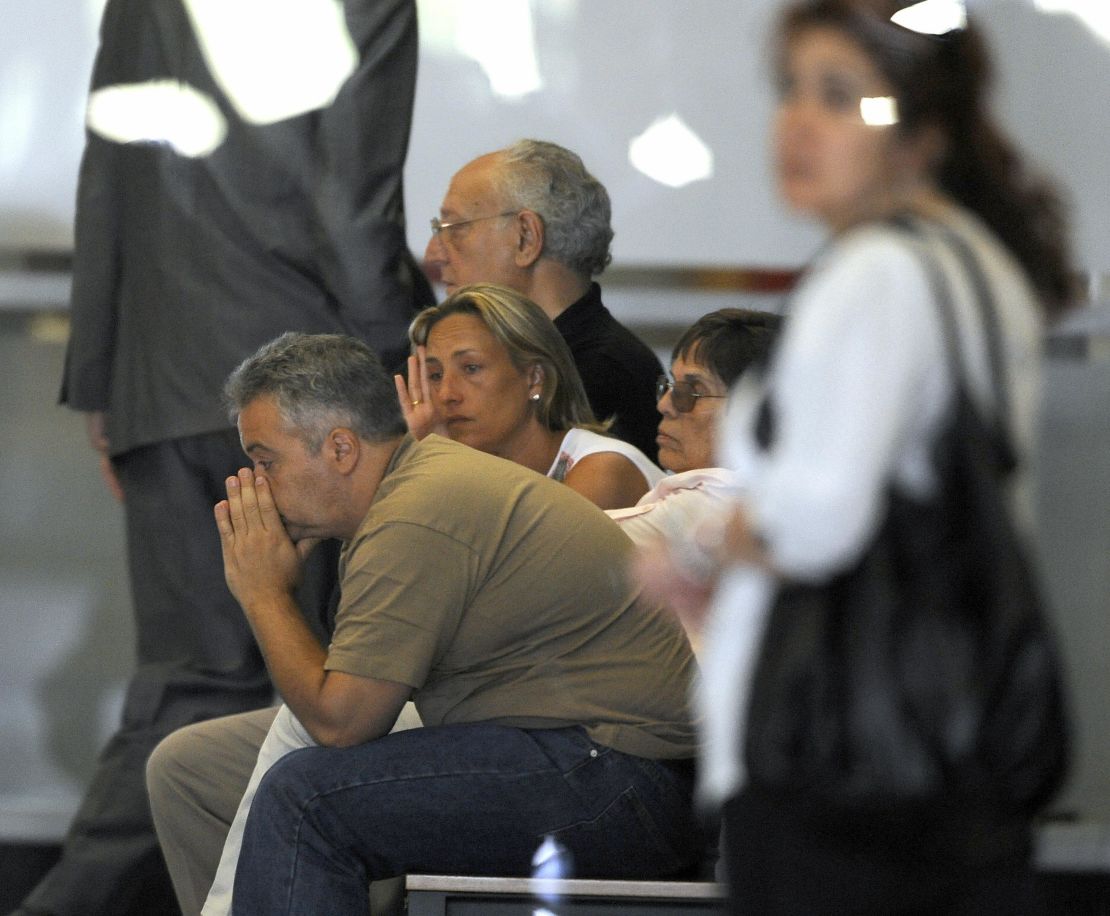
[499,35]
[671,153]
[275,59]
[932,17]
[1095,14]
[879,111]
[164,111]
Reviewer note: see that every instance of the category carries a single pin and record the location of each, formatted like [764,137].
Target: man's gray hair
[319,382]
[552,181]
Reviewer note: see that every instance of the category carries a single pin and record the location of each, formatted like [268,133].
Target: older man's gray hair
[319,382]
[552,181]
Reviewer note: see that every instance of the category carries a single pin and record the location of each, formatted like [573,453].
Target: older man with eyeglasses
[532,218]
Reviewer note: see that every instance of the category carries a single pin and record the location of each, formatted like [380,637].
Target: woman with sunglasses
[882,135]
[490,369]
[705,362]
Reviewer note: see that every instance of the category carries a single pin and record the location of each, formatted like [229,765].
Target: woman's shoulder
[881,271]
[900,250]
[869,277]
[580,439]
[579,443]
[871,251]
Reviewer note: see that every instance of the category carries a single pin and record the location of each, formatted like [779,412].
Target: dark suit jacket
[184,266]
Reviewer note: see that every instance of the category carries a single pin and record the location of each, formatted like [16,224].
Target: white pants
[286,734]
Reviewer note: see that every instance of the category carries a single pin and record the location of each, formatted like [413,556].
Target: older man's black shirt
[618,370]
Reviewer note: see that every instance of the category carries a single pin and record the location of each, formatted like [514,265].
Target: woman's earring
[535,397]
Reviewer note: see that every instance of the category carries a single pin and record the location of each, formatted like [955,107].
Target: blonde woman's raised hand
[418,407]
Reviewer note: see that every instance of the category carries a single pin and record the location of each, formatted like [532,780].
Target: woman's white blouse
[859,386]
[859,389]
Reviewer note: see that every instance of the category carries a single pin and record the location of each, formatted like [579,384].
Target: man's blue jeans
[472,799]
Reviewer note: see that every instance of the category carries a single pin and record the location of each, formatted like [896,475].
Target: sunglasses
[683,396]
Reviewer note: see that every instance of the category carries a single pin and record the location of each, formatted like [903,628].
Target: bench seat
[462,895]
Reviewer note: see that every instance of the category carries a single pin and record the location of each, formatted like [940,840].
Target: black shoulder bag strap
[1023,731]
[997,425]
[924,671]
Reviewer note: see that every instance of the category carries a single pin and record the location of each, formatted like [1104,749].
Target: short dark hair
[320,381]
[728,341]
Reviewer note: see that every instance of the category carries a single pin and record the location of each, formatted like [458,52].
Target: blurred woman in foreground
[881,125]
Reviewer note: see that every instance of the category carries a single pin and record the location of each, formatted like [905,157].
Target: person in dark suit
[192,249]
[530,217]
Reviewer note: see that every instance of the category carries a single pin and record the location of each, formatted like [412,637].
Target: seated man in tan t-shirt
[553,697]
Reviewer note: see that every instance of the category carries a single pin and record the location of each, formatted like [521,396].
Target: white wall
[607,70]
[65,612]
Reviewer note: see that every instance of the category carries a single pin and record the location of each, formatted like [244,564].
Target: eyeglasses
[683,395]
[438,226]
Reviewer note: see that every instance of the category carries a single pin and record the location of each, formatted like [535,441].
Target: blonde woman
[491,370]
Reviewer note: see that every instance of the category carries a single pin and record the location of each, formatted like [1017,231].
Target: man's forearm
[336,709]
[293,655]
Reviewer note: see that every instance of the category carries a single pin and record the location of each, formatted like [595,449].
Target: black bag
[927,673]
